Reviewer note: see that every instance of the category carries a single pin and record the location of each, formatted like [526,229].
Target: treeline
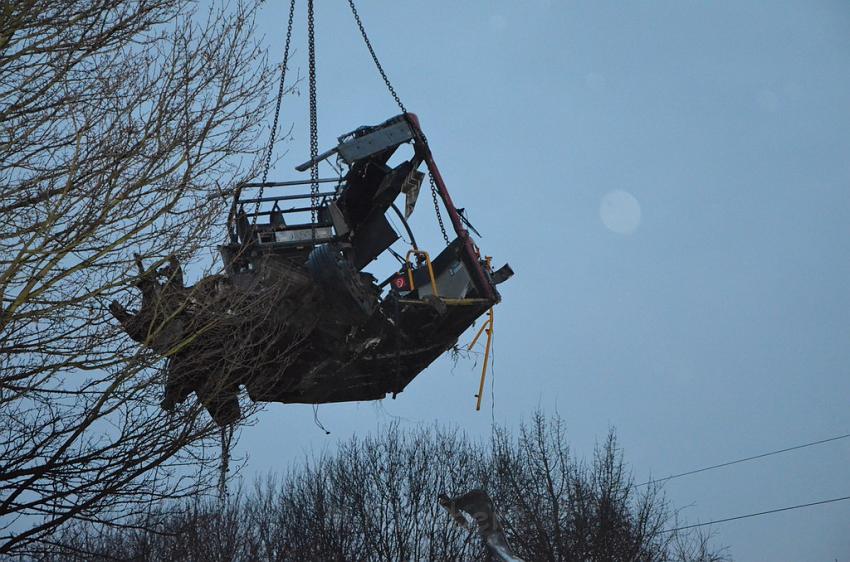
[375,498]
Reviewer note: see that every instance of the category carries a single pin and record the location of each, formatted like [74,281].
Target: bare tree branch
[118,121]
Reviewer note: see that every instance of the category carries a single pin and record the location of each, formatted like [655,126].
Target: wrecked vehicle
[295,318]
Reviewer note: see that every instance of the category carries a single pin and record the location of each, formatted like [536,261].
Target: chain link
[280,90]
[314,132]
[437,207]
[375,57]
[403,110]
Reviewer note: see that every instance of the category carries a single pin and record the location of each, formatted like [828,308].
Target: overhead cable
[729,463]
[789,508]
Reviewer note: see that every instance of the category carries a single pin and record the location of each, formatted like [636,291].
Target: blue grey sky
[671,182]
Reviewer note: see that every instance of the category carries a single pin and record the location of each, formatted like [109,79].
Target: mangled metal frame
[323,332]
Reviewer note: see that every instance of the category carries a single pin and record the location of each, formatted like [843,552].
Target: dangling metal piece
[224,467]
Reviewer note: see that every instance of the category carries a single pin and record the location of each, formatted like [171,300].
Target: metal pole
[473,258]
[489,327]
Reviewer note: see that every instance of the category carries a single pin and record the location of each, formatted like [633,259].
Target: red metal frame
[473,259]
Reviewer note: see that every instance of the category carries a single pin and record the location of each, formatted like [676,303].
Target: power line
[756,514]
[729,463]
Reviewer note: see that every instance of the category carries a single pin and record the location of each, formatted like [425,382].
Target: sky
[670,181]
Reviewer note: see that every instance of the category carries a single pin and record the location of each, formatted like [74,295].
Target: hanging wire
[397,256]
[316,420]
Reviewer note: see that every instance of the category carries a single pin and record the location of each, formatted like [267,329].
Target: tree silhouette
[120,124]
[376,498]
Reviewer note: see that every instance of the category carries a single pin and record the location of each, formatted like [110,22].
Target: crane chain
[280,90]
[375,57]
[437,207]
[314,132]
[403,109]
[421,137]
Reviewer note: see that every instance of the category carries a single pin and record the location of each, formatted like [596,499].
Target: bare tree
[558,508]
[376,498]
[121,122]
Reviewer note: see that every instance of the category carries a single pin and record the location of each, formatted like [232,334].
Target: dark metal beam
[289,183]
[283,197]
